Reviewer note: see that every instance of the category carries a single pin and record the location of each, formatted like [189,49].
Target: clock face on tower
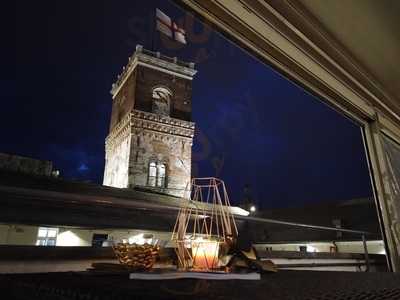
[161,101]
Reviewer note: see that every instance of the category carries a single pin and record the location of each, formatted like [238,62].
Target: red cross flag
[165,25]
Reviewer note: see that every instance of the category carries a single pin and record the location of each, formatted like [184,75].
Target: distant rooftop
[29,199]
[25,165]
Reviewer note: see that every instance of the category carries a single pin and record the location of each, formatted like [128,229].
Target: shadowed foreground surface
[281,285]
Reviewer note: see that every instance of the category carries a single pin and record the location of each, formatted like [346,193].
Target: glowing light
[202,216]
[311,249]
[205,254]
[69,238]
[252,208]
[140,239]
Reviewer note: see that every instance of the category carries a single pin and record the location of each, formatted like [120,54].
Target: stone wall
[144,137]
[124,101]
[174,152]
[118,145]
[181,89]
[116,168]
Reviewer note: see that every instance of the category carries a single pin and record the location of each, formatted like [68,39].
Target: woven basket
[138,257]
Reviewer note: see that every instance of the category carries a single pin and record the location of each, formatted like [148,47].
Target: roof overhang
[306,42]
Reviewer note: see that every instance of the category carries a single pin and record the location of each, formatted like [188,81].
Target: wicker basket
[138,257]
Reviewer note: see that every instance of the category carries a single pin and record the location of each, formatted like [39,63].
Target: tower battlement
[153,60]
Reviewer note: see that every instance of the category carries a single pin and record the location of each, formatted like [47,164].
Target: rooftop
[40,200]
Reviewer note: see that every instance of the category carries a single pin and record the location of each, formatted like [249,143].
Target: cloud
[76,162]
[83,167]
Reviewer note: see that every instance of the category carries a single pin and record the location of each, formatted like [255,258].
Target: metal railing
[156,54]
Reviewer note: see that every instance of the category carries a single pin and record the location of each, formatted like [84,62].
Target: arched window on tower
[152,179]
[161,101]
[157,175]
[161,175]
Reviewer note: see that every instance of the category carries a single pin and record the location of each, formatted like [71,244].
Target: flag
[165,25]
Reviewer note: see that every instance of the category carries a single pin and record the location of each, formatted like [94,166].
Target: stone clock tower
[151,133]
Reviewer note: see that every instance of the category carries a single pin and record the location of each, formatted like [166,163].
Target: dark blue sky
[253,126]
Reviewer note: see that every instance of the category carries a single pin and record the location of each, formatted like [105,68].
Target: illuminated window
[47,236]
[156,175]
[161,175]
[152,174]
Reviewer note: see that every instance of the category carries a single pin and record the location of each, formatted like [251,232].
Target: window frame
[157,177]
[150,177]
[290,40]
[46,239]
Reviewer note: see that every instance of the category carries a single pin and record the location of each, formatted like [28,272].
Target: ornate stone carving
[135,140]
[161,101]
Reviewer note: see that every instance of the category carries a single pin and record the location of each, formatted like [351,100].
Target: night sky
[253,126]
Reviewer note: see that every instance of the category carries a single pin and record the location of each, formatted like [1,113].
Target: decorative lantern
[205,226]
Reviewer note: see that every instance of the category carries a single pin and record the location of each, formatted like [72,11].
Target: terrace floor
[317,285]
